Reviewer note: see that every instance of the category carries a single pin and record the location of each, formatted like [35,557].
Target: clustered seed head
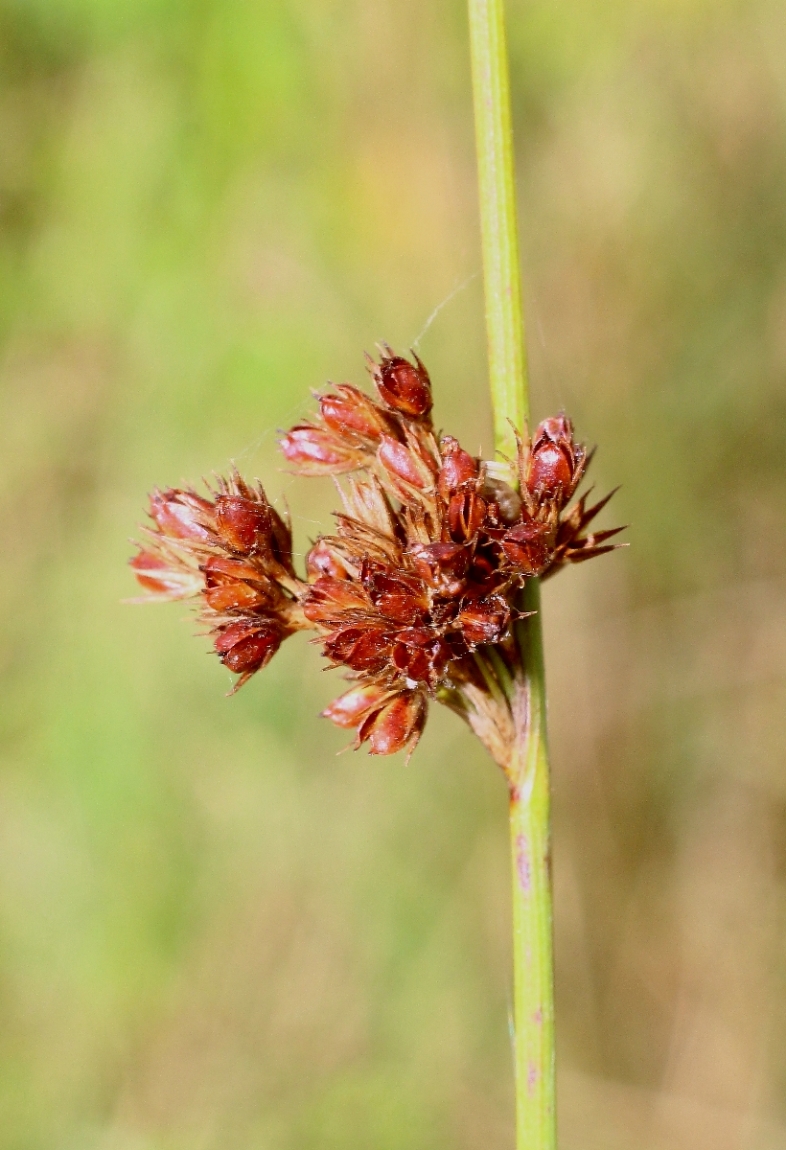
[421,577]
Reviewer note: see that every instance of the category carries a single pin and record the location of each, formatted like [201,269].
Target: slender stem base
[530,841]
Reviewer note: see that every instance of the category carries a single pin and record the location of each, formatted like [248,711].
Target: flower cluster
[233,554]
[417,592]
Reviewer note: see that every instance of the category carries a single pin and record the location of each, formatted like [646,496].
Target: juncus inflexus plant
[428,589]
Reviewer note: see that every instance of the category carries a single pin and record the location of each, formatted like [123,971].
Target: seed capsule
[555,462]
[398,461]
[402,386]
[231,585]
[349,410]
[241,523]
[398,725]
[442,565]
[528,547]
[361,648]
[246,647]
[182,515]
[323,559]
[484,621]
[458,467]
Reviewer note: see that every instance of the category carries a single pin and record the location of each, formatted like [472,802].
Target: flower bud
[361,648]
[246,646]
[323,559]
[402,386]
[458,467]
[351,708]
[242,524]
[182,515]
[555,462]
[231,585]
[400,463]
[398,725]
[484,621]
[420,655]
[529,547]
[398,597]
[348,410]
[319,451]
[442,565]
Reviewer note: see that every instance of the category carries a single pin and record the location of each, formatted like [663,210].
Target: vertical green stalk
[529,774]
[499,229]
[530,841]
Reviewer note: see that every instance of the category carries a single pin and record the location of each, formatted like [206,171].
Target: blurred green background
[213,932]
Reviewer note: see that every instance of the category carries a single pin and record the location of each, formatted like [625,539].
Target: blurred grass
[212,932]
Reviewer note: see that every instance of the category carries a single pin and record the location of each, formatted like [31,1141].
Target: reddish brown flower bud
[351,708]
[549,469]
[319,451]
[400,463]
[323,559]
[403,387]
[246,646]
[443,565]
[528,547]
[232,585]
[362,648]
[399,597]
[421,655]
[241,523]
[555,462]
[182,515]
[458,467]
[485,620]
[165,580]
[349,410]
[397,726]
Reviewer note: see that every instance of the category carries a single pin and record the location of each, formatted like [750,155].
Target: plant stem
[499,231]
[529,775]
[530,840]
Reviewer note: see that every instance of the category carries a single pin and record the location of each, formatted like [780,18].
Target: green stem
[529,773]
[530,840]
[499,231]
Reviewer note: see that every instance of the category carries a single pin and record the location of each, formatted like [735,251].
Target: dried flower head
[416,593]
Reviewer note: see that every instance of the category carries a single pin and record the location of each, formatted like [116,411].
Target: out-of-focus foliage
[213,933]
